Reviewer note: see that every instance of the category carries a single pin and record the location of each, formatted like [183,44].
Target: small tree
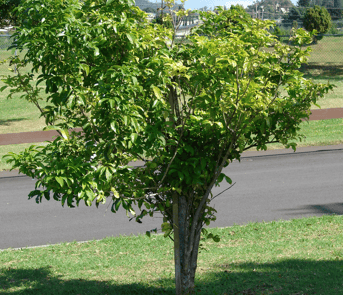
[187,109]
[317,18]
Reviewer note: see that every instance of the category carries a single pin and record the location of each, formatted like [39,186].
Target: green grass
[14,148]
[326,65]
[303,256]
[17,114]
[318,133]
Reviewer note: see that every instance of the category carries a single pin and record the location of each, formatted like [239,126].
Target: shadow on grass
[288,276]
[9,121]
[323,71]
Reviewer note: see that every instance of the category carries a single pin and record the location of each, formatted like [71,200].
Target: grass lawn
[302,256]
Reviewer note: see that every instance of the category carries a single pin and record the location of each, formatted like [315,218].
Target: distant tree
[338,3]
[336,9]
[317,18]
[7,13]
[149,10]
[304,3]
[295,25]
[294,14]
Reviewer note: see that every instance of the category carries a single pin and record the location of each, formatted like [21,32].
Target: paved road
[269,186]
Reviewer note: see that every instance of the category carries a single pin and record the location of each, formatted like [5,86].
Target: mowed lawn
[302,256]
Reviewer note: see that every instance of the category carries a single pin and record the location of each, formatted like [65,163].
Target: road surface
[268,186]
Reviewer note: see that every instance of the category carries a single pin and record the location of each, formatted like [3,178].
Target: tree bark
[185,249]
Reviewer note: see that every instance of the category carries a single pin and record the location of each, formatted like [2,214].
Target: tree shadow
[315,71]
[43,281]
[288,276]
[9,121]
[330,208]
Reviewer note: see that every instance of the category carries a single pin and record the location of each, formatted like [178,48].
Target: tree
[7,13]
[187,109]
[304,3]
[317,18]
[150,10]
[294,14]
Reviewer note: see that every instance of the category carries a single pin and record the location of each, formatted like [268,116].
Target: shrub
[317,18]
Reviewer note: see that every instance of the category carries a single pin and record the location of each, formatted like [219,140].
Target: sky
[194,4]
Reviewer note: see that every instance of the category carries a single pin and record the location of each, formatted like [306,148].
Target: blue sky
[193,4]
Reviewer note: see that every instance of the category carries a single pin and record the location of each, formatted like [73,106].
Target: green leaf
[3,88]
[108,2]
[157,92]
[60,181]
[228,179]
[134,137]
[96,51]
[130,37]
[134,80]
[216,238]
[117,204]
[135,124]
[113,126]
[90,194]
[85,68]
[108,174]
[65,134]
[115,193]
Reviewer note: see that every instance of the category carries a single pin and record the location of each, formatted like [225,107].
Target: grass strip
[318,133]
[15,148]
[301,256]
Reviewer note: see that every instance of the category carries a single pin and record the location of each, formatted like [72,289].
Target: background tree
[317,18]
[304,3]
[335,9]
[272,9]
[150,10]
[186,109]
[7,13]
[294,14]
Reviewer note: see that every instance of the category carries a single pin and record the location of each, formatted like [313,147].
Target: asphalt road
[268,186]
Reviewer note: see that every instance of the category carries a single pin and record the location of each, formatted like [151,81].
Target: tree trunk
[186,247]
